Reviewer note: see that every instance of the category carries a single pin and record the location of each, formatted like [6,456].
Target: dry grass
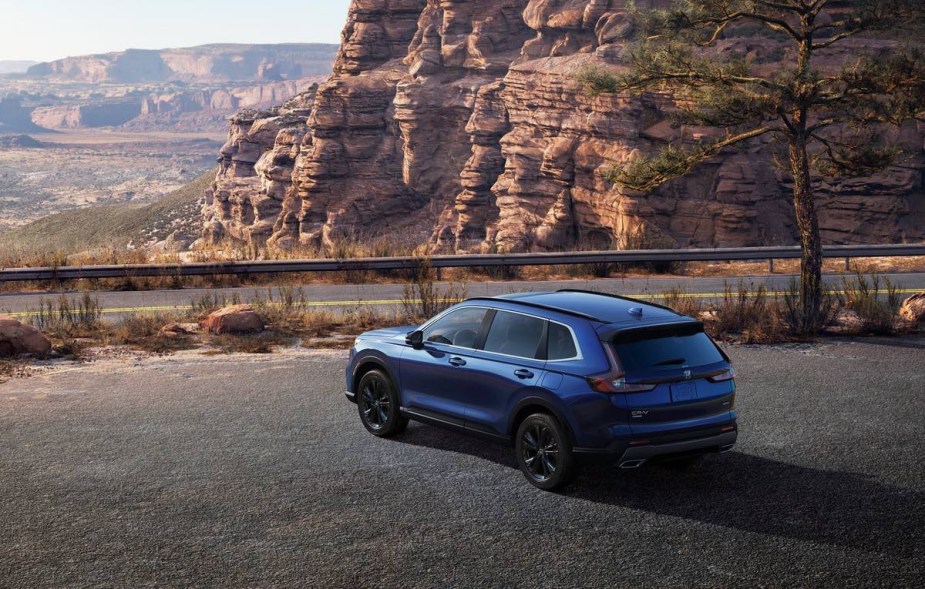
[874,303]
[683,302]
[260,343]
[861,305]
[10,369]
[377,247]
[831,266]
[749,315]
[423,298]
[64,318]
[143,332]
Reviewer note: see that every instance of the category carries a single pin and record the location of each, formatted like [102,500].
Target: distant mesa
[206,63]
[15,118]
[15,66]
[19,142]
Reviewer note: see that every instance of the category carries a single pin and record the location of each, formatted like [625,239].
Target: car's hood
[389,333]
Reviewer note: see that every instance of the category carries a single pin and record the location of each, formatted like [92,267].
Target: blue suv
[562,376]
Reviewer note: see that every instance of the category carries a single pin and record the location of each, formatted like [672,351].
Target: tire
[379,406]
[544,453]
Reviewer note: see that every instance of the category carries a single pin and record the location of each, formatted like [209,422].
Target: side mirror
[415,339]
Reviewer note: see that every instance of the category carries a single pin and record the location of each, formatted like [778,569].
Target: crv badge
[639,414]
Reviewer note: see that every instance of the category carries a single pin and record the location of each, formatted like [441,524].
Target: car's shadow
[743,492]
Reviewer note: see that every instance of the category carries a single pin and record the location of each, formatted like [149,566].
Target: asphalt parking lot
[255,472]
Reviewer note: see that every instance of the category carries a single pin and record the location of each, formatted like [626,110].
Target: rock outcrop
[233,319]
[461,124]
[913,308]
[17,338]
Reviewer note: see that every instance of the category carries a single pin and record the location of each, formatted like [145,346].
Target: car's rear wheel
[544,453]
[378,403]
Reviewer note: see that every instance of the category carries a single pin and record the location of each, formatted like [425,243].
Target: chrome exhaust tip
[629,464]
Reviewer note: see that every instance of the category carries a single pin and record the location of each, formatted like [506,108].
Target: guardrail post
[770,265]
[847,264]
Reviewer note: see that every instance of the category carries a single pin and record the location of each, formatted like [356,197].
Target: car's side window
[458,328]
[561,344]
[514,334]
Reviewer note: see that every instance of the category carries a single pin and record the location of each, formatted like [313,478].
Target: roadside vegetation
[860,305]
[747,314]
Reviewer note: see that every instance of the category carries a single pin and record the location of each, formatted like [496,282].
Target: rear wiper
[671,362]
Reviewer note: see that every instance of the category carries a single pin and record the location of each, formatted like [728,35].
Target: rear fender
[539,401]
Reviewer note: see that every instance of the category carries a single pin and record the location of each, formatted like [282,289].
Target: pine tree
[828,119]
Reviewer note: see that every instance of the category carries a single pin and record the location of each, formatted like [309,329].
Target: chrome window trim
[578,357]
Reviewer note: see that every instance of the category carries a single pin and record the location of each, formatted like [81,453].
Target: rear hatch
[678,381]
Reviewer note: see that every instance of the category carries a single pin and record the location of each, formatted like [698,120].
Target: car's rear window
[666,351]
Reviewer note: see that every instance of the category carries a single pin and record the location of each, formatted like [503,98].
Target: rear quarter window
[561,344]
[667,352]
[513,334]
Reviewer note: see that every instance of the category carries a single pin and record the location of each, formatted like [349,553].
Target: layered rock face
[461,124]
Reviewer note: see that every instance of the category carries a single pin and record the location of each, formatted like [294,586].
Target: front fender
[363,359]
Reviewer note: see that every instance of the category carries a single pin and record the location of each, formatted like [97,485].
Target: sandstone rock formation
[461,124]
[17,338]
[233,319]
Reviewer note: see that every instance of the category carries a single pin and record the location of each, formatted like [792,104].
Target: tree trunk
[804,203]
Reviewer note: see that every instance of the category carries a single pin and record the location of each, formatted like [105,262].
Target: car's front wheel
[378,403]
[544,453]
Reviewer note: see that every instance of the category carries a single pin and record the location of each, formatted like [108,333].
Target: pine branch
[673,162]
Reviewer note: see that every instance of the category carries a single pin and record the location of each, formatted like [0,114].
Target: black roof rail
[620,297]
[533,305]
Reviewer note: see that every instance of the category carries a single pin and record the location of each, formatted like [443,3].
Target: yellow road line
[387,302]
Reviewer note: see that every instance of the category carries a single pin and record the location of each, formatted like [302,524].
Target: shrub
[68,317]
[681,301]
[792,309]
[749,314]
[423,298]
[874,300]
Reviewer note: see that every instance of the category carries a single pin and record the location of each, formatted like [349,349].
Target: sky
[43,30]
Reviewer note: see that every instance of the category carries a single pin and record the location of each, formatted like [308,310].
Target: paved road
[390,295]
[255,472]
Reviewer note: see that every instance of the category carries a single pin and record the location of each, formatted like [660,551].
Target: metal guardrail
[456,261]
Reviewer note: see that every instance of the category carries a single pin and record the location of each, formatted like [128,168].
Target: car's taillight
[616,383]
[723,376]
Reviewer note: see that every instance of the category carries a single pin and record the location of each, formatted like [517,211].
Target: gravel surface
[255,472]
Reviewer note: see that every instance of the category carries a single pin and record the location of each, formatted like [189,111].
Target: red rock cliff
[460,123]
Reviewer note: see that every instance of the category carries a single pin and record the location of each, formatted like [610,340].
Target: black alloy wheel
[379,405]
[544,453]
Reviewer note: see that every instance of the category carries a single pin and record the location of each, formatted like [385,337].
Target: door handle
[523,373]
[456,361]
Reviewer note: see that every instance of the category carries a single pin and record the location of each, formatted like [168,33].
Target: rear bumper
[623,452]
[721,443]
